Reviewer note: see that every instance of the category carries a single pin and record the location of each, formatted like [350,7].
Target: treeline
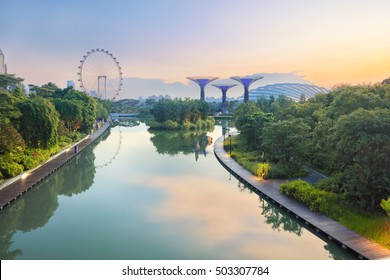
[345,133]
[34,127]
[182,114]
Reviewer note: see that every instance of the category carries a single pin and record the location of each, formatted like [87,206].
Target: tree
[9,82]
[87,103]
[39,122]
[46,91]
[386,81]
[363,152]
[10,139]
[286,140]
[71,113]
[250,120]
[8,110]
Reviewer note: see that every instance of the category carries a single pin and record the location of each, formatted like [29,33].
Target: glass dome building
[293,91]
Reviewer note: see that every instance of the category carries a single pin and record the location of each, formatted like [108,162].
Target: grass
[372,225]
[253,161]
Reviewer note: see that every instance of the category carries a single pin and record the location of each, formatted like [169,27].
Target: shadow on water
[281,220]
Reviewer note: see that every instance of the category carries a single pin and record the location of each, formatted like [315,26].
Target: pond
[141,194]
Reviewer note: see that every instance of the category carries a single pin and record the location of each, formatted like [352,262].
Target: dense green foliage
[372,225]
[316,199]
[34,127]
[184,114]
[385,204]
[345,133]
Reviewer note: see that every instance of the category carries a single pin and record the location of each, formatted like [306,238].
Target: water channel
[139,194]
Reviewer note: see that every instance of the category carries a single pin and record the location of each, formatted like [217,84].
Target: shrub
[170,125]
[330,184]
[317,200]
[385,204]
[283,170]
[189,126]
[10,169]
[262,170]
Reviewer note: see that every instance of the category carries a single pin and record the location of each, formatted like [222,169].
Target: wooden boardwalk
[30,179]
[348,239]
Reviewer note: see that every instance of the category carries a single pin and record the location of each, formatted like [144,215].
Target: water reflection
[186,142]
[35,209]
[280,220]
[149,206]
[274,216]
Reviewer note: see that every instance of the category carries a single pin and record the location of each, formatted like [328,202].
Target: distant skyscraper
[93,93]
[3,67]
[70,84]
[202,82]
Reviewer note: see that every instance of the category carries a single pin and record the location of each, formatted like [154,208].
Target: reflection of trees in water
[34,210]
[186,142]
[78,176]
[279,220]
[276,217]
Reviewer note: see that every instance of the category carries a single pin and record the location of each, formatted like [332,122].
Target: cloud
[136,87]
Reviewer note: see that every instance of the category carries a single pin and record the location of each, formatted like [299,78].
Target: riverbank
[364,248]
[18,186]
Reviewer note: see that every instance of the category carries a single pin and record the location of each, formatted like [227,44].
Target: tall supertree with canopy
[246,82]
[224,88]
[202,82]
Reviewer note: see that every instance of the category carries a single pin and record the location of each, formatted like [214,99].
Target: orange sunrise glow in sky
[320,42]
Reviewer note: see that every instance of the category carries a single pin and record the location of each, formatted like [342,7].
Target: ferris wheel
[100,74]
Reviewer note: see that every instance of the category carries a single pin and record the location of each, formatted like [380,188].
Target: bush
[189,126]
[317,200]
[285,170]
[10,169]
[170,125]
[262,170]
[330,184]
[385,204]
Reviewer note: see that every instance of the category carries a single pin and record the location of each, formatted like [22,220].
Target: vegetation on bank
[181,114]
[255,161]
[345,133]
[34,127]
[372,225]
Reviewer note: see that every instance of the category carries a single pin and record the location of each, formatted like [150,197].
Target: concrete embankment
[11,190]
[346,238]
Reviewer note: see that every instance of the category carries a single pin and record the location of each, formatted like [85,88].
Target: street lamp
[230,147]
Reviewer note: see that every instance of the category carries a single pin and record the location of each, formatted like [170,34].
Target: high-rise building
[3,67]
[70,84]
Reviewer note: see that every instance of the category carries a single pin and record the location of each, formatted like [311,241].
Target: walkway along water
[366,249]
[19,187]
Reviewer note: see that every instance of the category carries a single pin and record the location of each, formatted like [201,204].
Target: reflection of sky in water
[146,205]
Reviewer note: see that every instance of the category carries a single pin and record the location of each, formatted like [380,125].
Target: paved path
[364,248]
[20,185]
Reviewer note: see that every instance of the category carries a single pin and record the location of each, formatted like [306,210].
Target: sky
[158,43]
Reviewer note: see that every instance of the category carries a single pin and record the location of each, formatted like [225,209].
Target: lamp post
[230,147]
